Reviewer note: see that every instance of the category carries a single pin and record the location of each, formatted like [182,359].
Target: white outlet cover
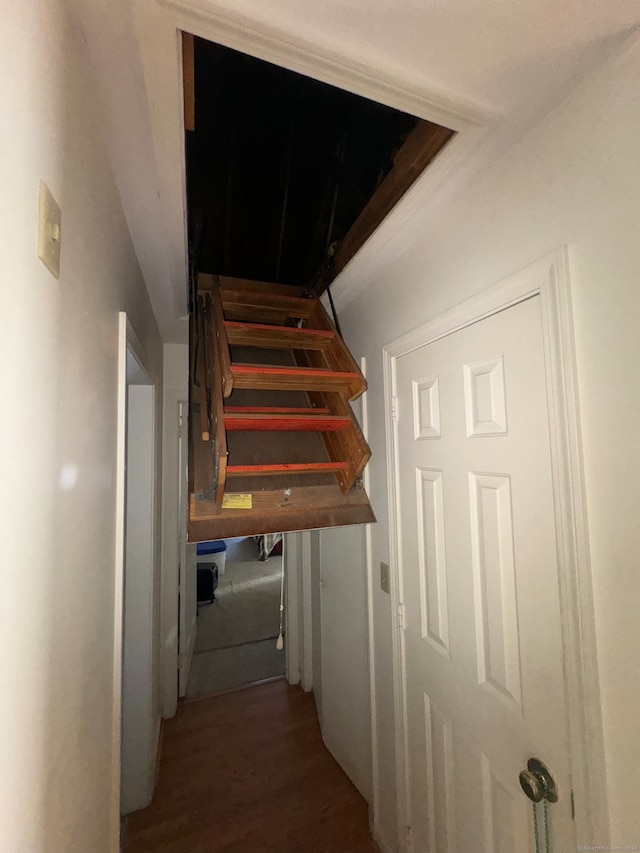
[49,230]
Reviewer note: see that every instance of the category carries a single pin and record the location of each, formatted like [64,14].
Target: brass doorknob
[538,783]
[531,785]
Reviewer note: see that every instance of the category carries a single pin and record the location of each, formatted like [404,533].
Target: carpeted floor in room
[236,635]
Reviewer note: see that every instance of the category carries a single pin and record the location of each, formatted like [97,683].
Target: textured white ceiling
[492,52]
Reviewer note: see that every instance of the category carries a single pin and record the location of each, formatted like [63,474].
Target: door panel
[346,722]
[482,639]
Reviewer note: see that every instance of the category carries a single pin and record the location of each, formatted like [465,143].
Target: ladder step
[258,306]
[299,422]
[277,410]
[286,468]
[273,378]
[247,285]
[277,337]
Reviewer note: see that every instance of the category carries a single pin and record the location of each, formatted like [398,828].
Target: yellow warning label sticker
[237,500]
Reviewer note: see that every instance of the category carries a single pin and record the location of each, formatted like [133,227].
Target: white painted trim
[291,607]
[128,342]
[370,586]
[503,295]
[548,278]
[298,609]
[397,639]
[140,354]
[169,546]
[576,590]
[304,563]
[142,415]
[169,551]
[185,554]
[267,43]
[118,594]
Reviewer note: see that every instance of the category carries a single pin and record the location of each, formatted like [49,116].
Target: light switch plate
[49,230]
[385,581]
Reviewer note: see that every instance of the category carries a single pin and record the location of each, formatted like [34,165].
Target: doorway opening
[240,630]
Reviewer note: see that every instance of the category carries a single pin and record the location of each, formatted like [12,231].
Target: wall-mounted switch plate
[49,230]
[385,580]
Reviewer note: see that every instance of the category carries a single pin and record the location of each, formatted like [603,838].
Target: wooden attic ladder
[273,442]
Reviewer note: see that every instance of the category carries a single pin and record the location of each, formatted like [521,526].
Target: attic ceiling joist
[419,149]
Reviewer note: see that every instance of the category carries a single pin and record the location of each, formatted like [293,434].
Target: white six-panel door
[479,581]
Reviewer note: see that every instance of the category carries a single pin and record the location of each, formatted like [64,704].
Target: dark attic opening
[280,166]
[287,178]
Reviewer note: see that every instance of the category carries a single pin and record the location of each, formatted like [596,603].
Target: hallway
[247,772]
[236,634]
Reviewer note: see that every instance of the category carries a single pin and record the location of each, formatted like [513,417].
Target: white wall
[58,374]
[176,369]
[573,180]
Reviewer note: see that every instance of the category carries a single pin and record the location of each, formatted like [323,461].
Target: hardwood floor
[247,772]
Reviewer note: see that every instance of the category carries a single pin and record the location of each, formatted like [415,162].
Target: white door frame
[296,555]
[371,582]
[127,342]
[186,560]
[291,627]
[547,278]
[118,593]
[170,546]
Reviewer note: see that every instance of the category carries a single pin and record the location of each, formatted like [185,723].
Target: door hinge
[573,806]
[394,409]
[401,619]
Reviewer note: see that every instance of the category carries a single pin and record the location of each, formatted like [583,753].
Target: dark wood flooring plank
[247,772]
